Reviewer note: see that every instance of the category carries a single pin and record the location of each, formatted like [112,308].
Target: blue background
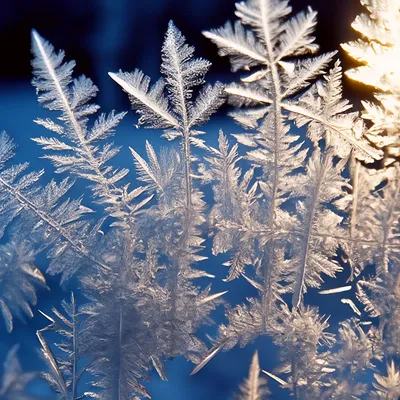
[108,35]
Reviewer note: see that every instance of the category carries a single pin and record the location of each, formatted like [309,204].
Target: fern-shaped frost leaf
[182,73]
[65,369]
[328,117]
[324,184]
[254,387]
[305,71]
[17,263]
[171,228]
[15,382]
[376,53]
[265,17]
[387,386]
[297,38]
[43,211]
[239,44]
[75,147]
[207,103]
[151,104]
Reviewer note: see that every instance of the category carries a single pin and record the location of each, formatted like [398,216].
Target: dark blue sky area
[105,35]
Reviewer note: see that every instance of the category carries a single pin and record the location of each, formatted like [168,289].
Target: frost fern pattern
[307,194]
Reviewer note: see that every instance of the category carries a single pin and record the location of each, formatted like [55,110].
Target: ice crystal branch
[387,387]
[324,183]
[14,380]
[254,387]
[124,317]
[291,250]
[377,53]
[269,232]
[168,105]
[76,147]
[64,373]
[18,265]
[304,343]
[276,81]
[58,222]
